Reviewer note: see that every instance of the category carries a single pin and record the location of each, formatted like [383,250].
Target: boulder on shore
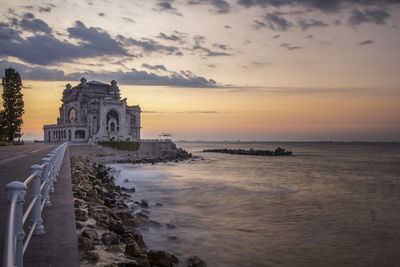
[196,262]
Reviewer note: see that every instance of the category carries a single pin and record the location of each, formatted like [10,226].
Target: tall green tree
[11,116]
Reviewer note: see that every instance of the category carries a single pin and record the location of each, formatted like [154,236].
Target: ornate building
[94,111]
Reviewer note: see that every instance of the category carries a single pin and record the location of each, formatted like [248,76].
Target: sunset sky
[215,69]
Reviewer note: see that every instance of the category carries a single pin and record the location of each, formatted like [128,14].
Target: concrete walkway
[58,246]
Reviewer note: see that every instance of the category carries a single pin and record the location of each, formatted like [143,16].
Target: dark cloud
[171,37]
[166,6]
[290,47]
[33,73]
[31,24]
[221,46]
[135,77]
[277,22]
[35,25]
[259,24]
[367,42]
[128,20]
[132,77]
[154,67]
[46,49]
[324,5]
[96,39]
[206,52]
[306,24]
[7,34]
[148,45]
[44,9]
[28,15]
[377,16]
[221,6]
[259,64]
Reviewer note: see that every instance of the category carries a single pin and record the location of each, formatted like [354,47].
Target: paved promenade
[58,246]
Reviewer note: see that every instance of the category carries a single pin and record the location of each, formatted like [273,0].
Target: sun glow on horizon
[246,114]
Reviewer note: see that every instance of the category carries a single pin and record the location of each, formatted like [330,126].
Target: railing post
[19,189]
[45,177]
[51,156]
[37,209]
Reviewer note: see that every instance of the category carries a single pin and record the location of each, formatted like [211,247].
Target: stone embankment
[106,226]
[278,152]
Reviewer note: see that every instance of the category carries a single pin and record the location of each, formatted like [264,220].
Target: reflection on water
[331,204]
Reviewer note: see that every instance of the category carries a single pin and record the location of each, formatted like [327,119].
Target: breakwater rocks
[277,152]
[178,155]
[106,226]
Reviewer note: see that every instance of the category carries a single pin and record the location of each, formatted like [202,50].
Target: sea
[330,204]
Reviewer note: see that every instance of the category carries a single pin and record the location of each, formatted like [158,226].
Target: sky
[267,70]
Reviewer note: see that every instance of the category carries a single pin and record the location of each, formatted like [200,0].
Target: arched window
[72,116]
[112,114]
[79,134]
[112,121]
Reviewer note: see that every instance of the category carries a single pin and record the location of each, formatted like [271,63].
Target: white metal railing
[41,184]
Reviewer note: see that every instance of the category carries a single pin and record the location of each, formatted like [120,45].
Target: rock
[91,255]
[173,238]
[114,248]
[174,259]
[170,226]
[160,258]
[142,216]
[129,190]
[91,234]
[117,227]
[154,223]
[144,203]
[127,237]
[159,205]
[139,240]
[196,262]
[129,264]
[143,261]
[126,180]
[132,249]
[81,215]
[85,244]
[108,195]
[78,225]
[109,202]
[110,238]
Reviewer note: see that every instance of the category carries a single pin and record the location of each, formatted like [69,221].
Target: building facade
[94,111]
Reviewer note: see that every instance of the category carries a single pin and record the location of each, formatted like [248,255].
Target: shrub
[121,145]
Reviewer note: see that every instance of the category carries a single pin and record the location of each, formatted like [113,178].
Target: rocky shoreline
[106,227]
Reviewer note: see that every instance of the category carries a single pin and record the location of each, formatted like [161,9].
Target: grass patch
[121,145]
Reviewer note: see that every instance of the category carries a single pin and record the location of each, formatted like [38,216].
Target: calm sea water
[332,204]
